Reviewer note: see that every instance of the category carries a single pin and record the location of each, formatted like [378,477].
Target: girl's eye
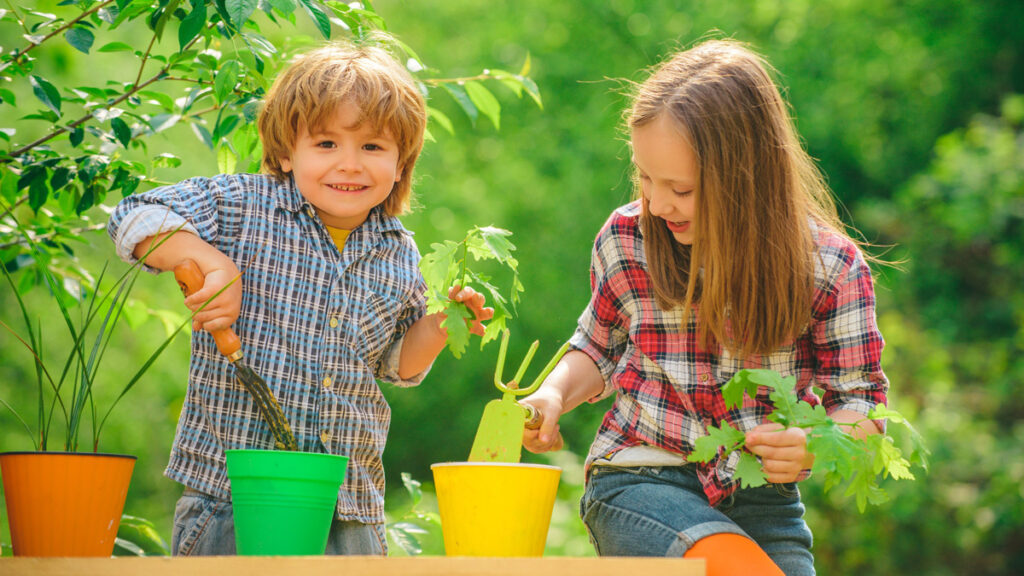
[683,193]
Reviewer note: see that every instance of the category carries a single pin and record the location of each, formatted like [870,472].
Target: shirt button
[704,378]
[310,212]
[325,437]
[334,321]
[327,382]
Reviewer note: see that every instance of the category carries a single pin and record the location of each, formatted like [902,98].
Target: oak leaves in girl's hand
[840,457]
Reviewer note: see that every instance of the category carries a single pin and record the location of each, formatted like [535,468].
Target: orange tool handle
[190,279]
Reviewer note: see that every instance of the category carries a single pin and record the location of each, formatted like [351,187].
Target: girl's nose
[656,202]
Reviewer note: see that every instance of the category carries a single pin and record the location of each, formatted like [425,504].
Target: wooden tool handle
[533,421]
[191,279]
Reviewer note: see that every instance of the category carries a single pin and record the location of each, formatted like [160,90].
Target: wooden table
[349,566]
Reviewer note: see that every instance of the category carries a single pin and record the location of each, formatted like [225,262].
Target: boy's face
[344,169]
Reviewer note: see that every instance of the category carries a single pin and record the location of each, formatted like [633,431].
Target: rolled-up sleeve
[847,342]
[601,331]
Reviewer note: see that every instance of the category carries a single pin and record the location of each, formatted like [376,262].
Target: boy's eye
[373,147]
[325,144]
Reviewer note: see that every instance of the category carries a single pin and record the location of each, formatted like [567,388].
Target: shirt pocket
[379,314]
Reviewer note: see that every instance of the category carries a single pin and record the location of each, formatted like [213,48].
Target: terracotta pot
[64,504]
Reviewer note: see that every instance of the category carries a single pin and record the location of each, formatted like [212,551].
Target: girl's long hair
[750,269]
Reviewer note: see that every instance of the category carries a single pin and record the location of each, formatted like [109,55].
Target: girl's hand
[223,310]
[783,451]
[475,302]
[547,438]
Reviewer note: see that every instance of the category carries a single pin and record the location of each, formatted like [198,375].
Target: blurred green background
[914,110]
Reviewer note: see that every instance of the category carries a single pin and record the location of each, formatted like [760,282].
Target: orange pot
[64,504]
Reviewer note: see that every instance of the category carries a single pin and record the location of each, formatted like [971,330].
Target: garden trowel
[499,438]
[190,279]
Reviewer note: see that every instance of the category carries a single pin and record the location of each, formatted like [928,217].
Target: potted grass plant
[65,497]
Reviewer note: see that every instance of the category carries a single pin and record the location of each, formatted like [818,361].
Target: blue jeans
[662,511]
[205,526]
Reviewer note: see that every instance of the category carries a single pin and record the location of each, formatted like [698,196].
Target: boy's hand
[223,310]
[475,302]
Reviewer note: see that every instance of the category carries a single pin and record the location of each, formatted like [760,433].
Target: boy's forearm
[423,342]
[172,248]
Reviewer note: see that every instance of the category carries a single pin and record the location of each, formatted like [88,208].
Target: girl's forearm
[574,380]
[857,424]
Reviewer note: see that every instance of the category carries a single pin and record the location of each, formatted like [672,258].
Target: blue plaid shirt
[318,325]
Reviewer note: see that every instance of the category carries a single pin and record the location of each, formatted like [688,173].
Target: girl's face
[667,168]
[345,168]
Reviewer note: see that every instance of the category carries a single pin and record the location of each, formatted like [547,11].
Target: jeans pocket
[788,490]
[192,515]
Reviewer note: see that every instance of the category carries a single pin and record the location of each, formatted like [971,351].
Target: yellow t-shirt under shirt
[339,235]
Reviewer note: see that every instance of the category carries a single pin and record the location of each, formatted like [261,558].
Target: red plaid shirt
[669,388]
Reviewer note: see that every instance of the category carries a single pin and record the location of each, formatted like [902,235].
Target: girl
[731,257]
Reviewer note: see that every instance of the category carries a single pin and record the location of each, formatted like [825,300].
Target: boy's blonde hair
[757,192]
[309,92]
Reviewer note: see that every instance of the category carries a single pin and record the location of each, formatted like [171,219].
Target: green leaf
[7,97]
[227,78]
[162,16]
[80,38]
[435,266]
[749,472]
[76,135]
[192,25]
[497,240]
[46,93]
[116,47]
[285,7]
[239,11]
[442,119]
[143,534]
[320,18]
[38,192]
[122,131]
[485,102]
[724,438]
[460,96]
[458,330]
[9,186]
[732,391]
[226,160]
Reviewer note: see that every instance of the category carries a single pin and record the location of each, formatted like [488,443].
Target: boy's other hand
[223,310]
[475,302]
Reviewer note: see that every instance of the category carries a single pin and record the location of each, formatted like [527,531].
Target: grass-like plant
[65,385]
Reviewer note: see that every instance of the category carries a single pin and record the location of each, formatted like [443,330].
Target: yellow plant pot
[64,504]
[495,509]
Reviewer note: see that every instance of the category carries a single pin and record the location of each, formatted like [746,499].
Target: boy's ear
[399,172]
[286,164]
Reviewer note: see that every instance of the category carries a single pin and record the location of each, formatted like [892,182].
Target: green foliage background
[915,113]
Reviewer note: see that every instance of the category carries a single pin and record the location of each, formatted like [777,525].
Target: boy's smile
[344,168]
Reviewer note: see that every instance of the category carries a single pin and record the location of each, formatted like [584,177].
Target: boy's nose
[348,161]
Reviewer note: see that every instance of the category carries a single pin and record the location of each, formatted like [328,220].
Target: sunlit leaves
[320,18]
[81,38]
[192,24]
[839,457]
[239,11]
[485,102]
[448,264]
[46,93]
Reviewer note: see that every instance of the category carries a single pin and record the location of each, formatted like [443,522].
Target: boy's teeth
[345,188]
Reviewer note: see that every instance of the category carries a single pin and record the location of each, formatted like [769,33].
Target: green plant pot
[283,501]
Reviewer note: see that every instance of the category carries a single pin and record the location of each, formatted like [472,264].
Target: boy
[331,300]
